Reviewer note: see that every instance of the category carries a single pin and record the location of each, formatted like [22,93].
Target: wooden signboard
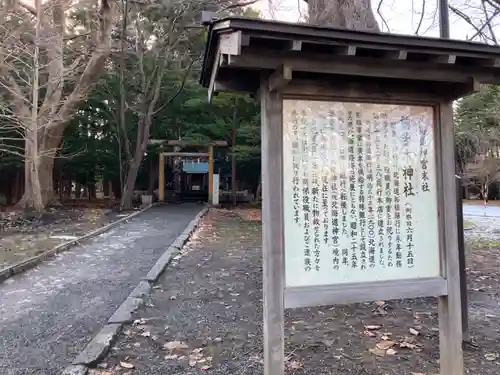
[358,164]
[354,209]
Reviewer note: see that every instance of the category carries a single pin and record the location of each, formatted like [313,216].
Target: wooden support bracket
[347,51]
[280,78]
[445,59]
[296,45]
[397,55]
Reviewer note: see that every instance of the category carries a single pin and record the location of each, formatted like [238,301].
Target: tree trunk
[143,127]
[32,197]
[345,14]
[78,190]
[92,191]
[128,190]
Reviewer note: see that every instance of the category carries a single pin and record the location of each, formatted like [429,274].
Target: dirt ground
[25,235]
[205,316]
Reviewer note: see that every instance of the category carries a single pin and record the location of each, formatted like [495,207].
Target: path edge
[98,347]
[29,263]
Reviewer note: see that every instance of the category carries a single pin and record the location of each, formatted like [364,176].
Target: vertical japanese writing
[408,191]
[397,201]
[387,200]
[306,205]
[315,196]
[361,160]
[324,182]
[369,196]
[296,167]
[343,184]
[424,162]
[353,230]
[378,190]
[334,216]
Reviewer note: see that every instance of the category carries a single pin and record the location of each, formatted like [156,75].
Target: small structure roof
[239,51]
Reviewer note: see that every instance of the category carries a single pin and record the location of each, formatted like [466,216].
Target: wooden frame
[277,296]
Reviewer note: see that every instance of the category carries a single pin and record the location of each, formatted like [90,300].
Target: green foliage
[93,146]
[91,151]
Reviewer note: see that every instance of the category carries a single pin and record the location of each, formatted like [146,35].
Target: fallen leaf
[205,367]
[408,345]
[175,345]
[414,332]
[126,365]
[295,365]
[328,342]
[391,352]
[378,352]
[490,356]
[372,327]
[384,345]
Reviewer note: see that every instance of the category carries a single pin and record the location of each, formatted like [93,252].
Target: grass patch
[479,243]
[468,224]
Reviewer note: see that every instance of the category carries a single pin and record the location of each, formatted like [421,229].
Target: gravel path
[49,314]
[484,228]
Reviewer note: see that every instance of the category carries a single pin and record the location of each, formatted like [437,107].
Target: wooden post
[462,261]
[161,178]
[210,174]
[233,165]
[450,314]
[272,230]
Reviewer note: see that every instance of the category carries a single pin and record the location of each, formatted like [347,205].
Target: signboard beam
[272,231]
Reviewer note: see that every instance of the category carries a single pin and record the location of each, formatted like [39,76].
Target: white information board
[215,194]
[360,194]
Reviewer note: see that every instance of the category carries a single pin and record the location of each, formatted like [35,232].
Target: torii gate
[181,143]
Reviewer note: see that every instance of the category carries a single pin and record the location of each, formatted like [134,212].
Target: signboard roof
[239,50]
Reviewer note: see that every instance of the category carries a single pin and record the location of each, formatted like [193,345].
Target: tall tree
[347,14]
[165,42]
[49,58]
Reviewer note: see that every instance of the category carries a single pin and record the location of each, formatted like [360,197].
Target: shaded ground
[48,314]
[205,315]
[23,235]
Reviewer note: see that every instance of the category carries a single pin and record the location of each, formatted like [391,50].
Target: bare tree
[164,38]
[482,173]
[159,43]
[45,81]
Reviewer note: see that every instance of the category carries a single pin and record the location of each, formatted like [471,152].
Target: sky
[402,16]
